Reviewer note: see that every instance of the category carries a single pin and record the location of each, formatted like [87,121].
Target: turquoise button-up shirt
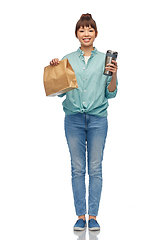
[92,94]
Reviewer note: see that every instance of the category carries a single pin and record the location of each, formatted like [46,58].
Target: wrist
[114,75]
[112,86]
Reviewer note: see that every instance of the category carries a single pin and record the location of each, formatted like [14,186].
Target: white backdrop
[35,177]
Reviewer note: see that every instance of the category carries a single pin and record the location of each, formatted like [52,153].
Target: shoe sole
[94,229]
[79,229]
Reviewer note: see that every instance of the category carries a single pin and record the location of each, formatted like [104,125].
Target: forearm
[112,86]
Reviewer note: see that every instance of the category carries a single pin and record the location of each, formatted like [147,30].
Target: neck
[87,50]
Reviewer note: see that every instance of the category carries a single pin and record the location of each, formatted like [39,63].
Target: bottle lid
[112,52]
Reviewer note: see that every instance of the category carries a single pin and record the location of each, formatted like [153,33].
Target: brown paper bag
[59,79]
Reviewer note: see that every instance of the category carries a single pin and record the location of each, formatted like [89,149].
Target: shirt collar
[81,53]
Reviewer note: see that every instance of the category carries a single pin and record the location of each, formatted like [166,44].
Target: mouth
[86,40]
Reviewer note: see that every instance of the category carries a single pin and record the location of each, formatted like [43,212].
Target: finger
[111,69]
[110,65]
[114,62]
[53,63]
[56,61]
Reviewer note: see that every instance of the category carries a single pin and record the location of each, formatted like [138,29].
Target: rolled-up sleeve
[62,95]
[111,94]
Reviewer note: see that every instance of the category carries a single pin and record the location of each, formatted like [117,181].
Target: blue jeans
[86,132]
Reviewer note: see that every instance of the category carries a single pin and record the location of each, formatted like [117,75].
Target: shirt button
[83,68]
[83,102]
[84,90]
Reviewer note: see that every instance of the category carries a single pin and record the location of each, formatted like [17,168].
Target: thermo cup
[110,55]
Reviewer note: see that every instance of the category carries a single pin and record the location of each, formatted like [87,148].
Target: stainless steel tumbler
[110,55]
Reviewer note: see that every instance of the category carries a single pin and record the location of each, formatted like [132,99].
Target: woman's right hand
[54,62]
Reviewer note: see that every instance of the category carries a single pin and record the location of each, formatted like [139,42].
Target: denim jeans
[86,133]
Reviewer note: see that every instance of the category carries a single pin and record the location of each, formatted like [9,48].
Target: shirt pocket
[100,79]
[99,91]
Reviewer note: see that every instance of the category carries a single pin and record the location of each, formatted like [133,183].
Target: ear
[96,34]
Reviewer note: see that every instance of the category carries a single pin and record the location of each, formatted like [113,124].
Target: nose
[86,33]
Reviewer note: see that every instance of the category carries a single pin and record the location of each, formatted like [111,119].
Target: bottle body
[110,55]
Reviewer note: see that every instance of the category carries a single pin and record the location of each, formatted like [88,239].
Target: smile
[87,39]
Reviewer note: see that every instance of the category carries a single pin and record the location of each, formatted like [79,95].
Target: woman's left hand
[112,67]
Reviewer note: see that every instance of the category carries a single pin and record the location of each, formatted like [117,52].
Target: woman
[86,119]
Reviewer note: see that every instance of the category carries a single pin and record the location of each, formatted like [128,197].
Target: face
[86,36]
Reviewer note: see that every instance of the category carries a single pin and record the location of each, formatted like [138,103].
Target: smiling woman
[86,121]
[86,32]
[86,36]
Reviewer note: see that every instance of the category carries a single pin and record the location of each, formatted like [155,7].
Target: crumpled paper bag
[59,79]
